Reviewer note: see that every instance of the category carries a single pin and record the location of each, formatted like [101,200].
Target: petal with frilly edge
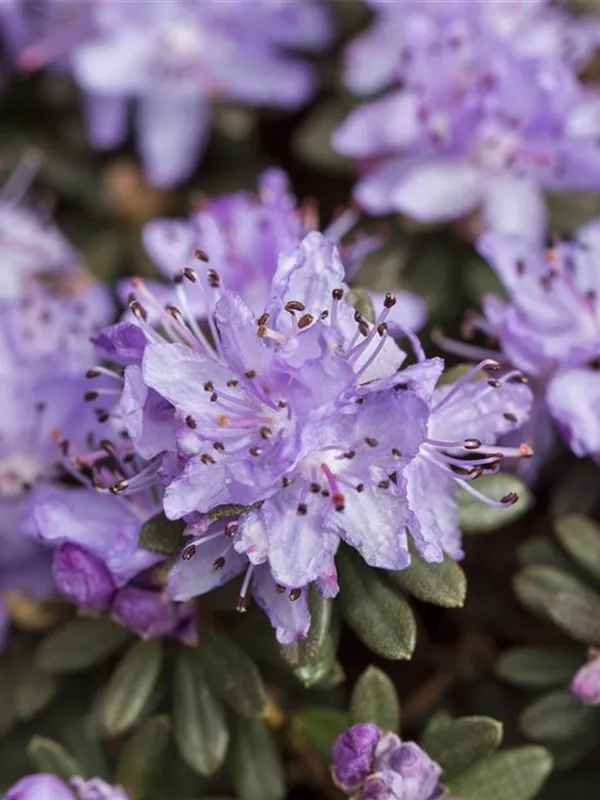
[307,274]
[479,410]
[434,522]
[290,617]
[191,576]
[374,523]
[178,374]
[301,547]
[200,487]
[573,397]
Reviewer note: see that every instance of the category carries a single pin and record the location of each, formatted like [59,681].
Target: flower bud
[82,578]
[586,683]
[33,787]
[353,755]
[148,612]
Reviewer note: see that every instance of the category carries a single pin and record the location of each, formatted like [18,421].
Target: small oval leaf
[317,729]
[442,584]
[557,716]
[536,586]
[463,742]
[539,667]
[123,700]
[478,517]
[162,535]
[80,644]
[580,536]
[516,774]
[50,756]
[375,699]
[233,675]
[380,617]
[199,722]
[308,652]
[578,614]
[257,769]
[34,689]
[141,756]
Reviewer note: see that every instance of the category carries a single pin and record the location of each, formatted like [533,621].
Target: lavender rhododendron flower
[45,325]
[369,764]
[306,411]
[586,683]
[245,233]
[175,59]
[29,244]
[485,111]
[46,786]
[549,328]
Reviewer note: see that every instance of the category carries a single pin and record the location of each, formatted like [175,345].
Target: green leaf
[379,616]
[375,699]
[80,644]
[233,675]
[556,716]
[324,673]
[516,774]
[124,699]
[442,584]
[8,703]
[580,536]
[478,517]
[199,721]
[537,586]
[309,651]
[141,756]
[162,535]
[317,729]
[540,551]
[578,614]
[539,667]
[34,690]
[257,770]
[50,756]
[462,742]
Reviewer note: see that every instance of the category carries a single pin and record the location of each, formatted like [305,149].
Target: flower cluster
[55,536]
[369,764]
[549,327]
[175,59]
[297,418]
[49,307]
[51,787]
[486,111]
